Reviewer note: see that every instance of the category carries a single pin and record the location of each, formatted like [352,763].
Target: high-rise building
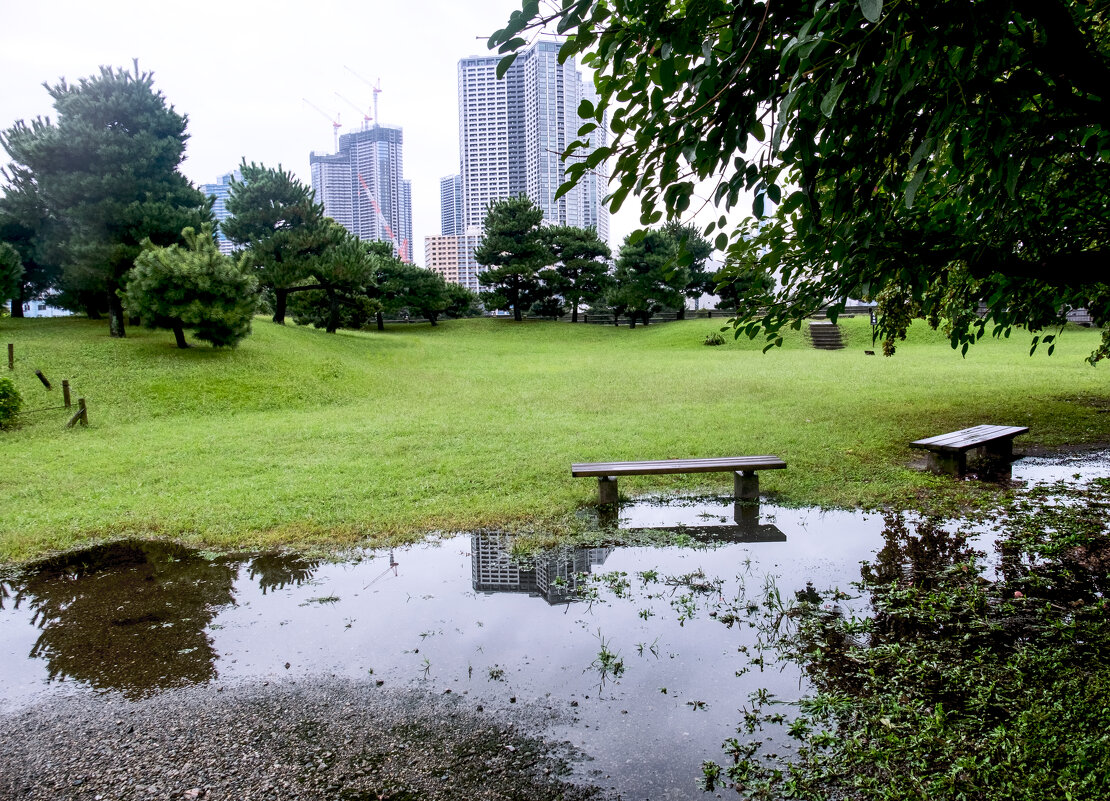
[451,206]
[452,257]
[219,192]
[512,134]
[363,188]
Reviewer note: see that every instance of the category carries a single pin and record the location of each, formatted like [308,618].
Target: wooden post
[65,392]
[45,381]
[82,415]
[11,356]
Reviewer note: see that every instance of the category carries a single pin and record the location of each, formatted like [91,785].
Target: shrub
[10,403]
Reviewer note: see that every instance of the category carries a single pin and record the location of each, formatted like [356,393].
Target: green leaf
[914,185]
[721,241]
[872,9]
[831,98]
[585,109]
[504,64]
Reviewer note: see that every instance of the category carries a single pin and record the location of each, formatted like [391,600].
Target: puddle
[625,651]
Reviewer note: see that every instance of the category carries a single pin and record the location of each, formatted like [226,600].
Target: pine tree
[278,220]
[107,173]
[193,286]
[513,252]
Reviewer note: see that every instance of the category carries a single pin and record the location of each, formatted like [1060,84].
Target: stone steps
[824,335]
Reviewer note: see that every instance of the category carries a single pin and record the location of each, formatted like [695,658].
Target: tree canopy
[581,265]
[193,286]
[11,275]
[100,181]
[277,218]
[513,251]
[648,277]
[951,152]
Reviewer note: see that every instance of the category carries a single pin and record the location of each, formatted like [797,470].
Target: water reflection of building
[552,575]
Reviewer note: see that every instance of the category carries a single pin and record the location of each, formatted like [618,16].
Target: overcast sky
[241,71]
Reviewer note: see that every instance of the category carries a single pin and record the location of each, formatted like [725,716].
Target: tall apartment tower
[513,131]
[363,188]
[451,212]
[219,192]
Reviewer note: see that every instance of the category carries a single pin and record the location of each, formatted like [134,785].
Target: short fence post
[82,415]
[45,381]
[11,356]
[65,392]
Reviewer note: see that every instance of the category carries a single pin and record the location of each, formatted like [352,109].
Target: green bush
[10,403]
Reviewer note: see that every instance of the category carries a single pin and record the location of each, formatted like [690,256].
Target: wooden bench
[745,467]
[948,452]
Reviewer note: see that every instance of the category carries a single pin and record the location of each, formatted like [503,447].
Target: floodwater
[632,653]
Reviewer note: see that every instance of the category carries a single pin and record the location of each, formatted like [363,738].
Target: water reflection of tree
[276,571]
[129,616]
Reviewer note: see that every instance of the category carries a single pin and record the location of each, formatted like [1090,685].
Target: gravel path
[331,740]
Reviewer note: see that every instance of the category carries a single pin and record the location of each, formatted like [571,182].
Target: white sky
[240,71]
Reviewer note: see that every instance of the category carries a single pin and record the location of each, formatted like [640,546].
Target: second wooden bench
[948,452]
[745,467]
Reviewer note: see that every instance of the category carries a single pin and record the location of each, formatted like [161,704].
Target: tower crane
[335,125]
[376,88]
[366,118]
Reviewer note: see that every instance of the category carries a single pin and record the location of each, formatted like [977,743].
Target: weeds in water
[966,677]
[608,663]
[327,599]
[496,673]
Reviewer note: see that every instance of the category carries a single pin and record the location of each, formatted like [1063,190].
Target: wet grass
[305,439]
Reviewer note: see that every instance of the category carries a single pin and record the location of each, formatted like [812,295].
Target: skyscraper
[514,130]
[363,188]
[451,205]
[219,192]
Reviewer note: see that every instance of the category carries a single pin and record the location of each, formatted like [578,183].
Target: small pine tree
[194,287]
[10,403]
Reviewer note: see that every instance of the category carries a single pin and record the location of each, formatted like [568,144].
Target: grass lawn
[303,438]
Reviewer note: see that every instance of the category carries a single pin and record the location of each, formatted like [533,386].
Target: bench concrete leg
[746,513]
[1002,450]
[952,464]
[747,485]
[606,489]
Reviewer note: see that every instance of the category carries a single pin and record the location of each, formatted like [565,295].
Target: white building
[513,131]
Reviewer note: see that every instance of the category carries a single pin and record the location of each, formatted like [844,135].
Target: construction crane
[402,246]
[376,88]
[335,125]
[366,118]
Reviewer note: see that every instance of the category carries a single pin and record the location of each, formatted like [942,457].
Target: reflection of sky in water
[459,615]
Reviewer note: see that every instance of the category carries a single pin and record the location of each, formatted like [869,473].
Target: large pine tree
[106,176]
[513,251]
[278,219]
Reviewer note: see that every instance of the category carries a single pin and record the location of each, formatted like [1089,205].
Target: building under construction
[362,187]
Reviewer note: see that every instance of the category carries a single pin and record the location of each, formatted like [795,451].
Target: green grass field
[300,438]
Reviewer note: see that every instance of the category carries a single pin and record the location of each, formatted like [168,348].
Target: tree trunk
[681,315]
[631,320]
[381,321]
[115,314]
[333,311]
[179,336]
[17,302]
[574,313]
[281,297]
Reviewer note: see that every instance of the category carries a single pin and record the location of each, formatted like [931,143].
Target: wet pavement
[637,653]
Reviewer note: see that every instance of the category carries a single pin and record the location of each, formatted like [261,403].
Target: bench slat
[664,466]
[968,438]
